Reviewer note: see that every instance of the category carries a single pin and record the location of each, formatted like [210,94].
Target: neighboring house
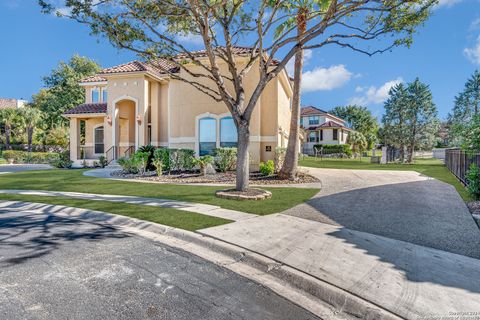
[321,127]
[11,103]
[138,103]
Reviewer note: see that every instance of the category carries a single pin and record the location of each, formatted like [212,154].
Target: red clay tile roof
[8,103]
[310,110]
[158,67]
[95,78]
[88,108]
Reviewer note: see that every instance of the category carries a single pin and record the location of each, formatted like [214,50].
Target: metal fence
[459,161]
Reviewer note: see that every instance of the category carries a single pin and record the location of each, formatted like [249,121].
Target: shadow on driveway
[428,213]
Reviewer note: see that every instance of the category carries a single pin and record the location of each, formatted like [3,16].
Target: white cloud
[290,67]
[475,24]
[64,11]
[325,78]
[374,95]
[473,54]
[194,39]
[447,3]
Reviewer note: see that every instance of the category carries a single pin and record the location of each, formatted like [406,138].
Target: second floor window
[313,120]
[95,95]
[104,95]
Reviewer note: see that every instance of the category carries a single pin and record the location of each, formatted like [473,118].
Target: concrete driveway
[53,267]
[10,168]
[402,205]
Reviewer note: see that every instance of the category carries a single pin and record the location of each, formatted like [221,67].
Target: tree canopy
[466,107]
[62,90]
[410,117]
[155,29]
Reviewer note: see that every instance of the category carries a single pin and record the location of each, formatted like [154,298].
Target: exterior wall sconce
[109,120]
[139,119]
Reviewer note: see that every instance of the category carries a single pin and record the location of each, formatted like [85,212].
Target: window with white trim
[228,133]
[207,136]
[312,136]
[95,95]
[312,120]
[104,95]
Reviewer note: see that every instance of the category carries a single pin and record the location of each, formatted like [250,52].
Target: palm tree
[289,168]
[31,118]
[8,117]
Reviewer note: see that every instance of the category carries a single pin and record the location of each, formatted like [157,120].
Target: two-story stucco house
[321,127]
[138,103]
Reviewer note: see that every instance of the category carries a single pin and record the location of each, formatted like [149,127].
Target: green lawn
[73,180]
[430,167]
[175,218]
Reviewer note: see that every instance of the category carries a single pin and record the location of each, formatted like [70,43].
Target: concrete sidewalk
[206,209]
[406,279]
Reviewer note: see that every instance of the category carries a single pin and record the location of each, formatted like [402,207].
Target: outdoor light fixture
[109,120]
[139,119]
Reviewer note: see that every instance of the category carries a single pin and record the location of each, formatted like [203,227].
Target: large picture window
[98,136]
[207,136]
[228,132]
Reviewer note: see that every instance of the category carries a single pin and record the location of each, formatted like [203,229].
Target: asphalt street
[57,268]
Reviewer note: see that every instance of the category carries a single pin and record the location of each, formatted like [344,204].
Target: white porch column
[74,138]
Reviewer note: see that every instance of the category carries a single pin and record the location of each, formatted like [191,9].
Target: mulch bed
[221,178]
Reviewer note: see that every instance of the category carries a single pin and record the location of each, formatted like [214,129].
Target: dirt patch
[219,178]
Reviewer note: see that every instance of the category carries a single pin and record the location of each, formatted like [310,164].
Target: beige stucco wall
[174,107]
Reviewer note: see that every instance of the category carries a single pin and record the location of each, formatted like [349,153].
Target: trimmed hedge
[334,148]
[30,157]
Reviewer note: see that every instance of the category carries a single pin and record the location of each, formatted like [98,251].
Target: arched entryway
[125,127]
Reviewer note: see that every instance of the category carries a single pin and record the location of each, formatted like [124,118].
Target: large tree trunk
[243,163]
[290,165]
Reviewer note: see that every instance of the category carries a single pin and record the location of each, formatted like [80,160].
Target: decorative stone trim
[250,194]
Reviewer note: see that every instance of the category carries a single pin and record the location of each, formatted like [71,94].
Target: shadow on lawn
[27,235]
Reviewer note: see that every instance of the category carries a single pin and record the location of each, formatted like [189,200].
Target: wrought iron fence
[458,162]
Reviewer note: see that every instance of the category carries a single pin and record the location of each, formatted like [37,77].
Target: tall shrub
[225,158]
[473,179]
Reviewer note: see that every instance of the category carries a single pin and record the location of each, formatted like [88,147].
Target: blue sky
[444,54]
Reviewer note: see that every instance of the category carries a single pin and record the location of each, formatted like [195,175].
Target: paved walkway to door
[402,205]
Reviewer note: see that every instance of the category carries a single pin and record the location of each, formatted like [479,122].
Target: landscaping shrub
[128,165]
[225,158]
[279,158]
[203,162]
[268,168]
[334,148]
[163,155]
[175,160]
[140,159]
[62,161]
[150,150]
[19,156]
[3,161]
[102,161]
[158,164]
[473,179]
[187,159]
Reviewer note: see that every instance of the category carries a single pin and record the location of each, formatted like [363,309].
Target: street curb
[344,302]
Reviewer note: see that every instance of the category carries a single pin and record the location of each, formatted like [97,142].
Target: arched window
[228,132]
[207,128]
[98,140]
